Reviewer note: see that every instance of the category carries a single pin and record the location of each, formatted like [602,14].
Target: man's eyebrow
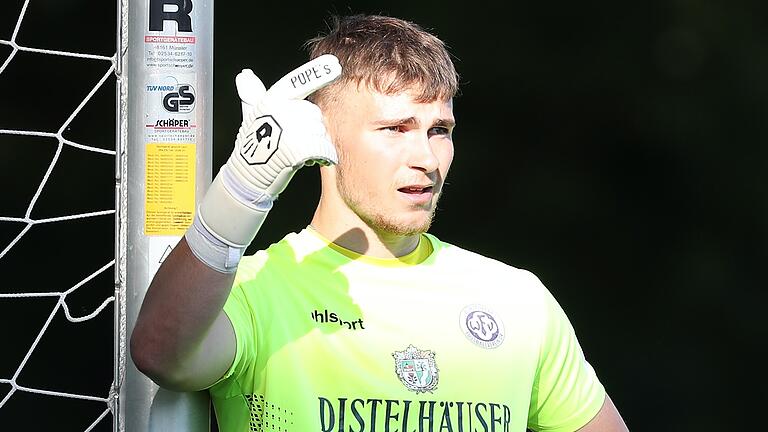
[448,123]
[413,121]
[397,121]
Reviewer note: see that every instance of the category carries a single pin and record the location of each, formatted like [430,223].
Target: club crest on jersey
[261,142]
[482,326]
[416,369]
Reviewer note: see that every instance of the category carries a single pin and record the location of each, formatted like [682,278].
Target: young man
[361,321]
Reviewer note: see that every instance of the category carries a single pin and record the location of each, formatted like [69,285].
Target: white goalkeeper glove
[281,132]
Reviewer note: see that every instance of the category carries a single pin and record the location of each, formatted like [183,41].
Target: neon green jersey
[331,341]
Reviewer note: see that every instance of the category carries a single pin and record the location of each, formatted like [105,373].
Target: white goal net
[70,285]
[57,214]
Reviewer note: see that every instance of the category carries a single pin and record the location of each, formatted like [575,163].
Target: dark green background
[615,149]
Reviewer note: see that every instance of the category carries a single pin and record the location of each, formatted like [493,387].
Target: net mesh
[57,159]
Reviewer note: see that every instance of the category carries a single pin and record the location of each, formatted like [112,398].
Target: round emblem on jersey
[258,146]
[416,369]
[482,326]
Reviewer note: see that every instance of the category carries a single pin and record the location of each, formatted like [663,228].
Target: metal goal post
[163,166]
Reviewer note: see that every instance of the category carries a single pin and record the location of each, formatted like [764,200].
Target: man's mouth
[420,195]
[416,189]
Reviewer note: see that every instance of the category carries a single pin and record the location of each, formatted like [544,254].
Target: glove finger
[300,114]
[307,78]
[325,153]
[250,89]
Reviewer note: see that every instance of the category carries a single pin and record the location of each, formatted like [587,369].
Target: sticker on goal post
[169,200]
[159,249]
[170,108]
[170,41]
[170,139]
[176,52]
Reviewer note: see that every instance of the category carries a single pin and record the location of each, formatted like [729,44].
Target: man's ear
[329,112]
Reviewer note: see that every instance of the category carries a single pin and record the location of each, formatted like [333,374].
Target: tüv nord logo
[175,97]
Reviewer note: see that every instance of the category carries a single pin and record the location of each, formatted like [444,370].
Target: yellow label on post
[169,199]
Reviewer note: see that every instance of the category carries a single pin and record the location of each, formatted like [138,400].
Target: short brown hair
[387,54]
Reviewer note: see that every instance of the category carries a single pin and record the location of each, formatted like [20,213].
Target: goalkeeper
[362,321]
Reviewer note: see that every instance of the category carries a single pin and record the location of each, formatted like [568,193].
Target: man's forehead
[405,99]
[370,105]
[390,88]
[404,108]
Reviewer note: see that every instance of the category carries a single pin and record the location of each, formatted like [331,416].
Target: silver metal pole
[163,169]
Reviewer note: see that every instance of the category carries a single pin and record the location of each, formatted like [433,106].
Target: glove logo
[262,142]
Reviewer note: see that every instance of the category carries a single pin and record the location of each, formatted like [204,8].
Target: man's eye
[439,130]
[396,128]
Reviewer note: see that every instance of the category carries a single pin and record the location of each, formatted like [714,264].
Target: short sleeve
[566,392]
[241,315]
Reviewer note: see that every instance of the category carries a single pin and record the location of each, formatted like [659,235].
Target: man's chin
[402,228]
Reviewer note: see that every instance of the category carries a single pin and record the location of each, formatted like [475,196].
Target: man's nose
[422,155]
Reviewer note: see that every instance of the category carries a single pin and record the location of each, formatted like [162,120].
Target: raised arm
[182,339]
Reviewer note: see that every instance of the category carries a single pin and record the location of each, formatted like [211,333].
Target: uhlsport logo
[332,317]
[482,326]
[416,369]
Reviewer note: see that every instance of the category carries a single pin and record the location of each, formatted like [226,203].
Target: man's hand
[280,133]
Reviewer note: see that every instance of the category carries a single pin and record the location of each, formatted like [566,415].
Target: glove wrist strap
[211,250]
[247,195]
[224,224]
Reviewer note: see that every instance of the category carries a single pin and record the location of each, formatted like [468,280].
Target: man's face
[394,155]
